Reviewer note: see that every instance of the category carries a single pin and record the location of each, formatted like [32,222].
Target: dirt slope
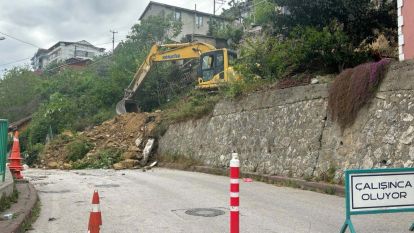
[118,142]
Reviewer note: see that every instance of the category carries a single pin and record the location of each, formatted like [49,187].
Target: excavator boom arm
[173,52]
[159,53]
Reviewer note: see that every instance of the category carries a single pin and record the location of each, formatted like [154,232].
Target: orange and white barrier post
[234,193]
[95,218]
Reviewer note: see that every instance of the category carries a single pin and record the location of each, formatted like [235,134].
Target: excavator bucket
[125,106]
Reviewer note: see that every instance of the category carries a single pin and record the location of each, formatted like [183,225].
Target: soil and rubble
[125,141]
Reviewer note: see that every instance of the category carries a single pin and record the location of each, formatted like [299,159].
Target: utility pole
[214,7]
[113,39]
[195,21]
[221,2]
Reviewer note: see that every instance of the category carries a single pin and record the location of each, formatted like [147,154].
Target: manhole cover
[204,212]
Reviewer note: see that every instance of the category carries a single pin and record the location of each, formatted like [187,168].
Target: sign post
[234,193]
[376,191]
[4,125]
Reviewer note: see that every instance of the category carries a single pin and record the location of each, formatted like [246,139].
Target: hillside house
[194,22]
[68,52]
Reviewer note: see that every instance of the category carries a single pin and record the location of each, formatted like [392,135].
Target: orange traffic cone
[95,218]
[15,159]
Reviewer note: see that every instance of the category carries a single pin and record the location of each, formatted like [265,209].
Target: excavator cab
[215,68]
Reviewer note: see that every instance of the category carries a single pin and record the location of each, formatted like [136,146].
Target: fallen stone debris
[129,135]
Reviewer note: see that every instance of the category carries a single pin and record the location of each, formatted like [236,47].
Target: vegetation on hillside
[311,37]
[74,99]
[317,36]
[352,89]
[19,93]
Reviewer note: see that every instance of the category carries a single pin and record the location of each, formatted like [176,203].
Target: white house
[62,51]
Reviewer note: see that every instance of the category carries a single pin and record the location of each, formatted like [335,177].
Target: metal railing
[4,126]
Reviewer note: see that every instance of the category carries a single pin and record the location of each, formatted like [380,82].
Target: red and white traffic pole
[234,193]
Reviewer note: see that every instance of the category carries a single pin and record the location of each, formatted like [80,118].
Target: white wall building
[62,51]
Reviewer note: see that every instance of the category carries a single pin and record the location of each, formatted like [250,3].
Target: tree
[19,96]
[361,19]
[132,52]
[155,29]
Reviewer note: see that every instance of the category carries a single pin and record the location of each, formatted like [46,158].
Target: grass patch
[241,88]
[7,201]
[328,176]
[27,224]
[330,190]
[201,103]
[195,105]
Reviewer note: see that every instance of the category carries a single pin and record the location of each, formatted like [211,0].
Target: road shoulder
[24,211]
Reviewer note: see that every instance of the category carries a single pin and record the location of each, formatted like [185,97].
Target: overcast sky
[45,22]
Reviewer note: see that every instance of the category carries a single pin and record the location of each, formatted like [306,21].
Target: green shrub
[31,154]
[305,49]
[108,157]
[77,149]
[6,201]
[255,59]
[236,89]
[327,49]
[104,158]
[196,104]
[229,32]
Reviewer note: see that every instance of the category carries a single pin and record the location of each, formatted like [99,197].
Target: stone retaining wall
[288,132]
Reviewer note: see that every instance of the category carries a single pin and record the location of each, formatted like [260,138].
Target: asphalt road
[156,201]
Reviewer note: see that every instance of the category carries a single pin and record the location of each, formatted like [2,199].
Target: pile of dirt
[122,142]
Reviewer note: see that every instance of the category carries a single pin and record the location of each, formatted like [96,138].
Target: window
[232,58]
[82,53]
[199,21]
[207,67]
[56,54]
[177,16]
[208,62]
[221,25]
[220,60]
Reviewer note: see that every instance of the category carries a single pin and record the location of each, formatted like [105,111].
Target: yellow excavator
[215,68]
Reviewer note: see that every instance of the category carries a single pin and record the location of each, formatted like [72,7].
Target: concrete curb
[27,200]
[332,189]
[6,187]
